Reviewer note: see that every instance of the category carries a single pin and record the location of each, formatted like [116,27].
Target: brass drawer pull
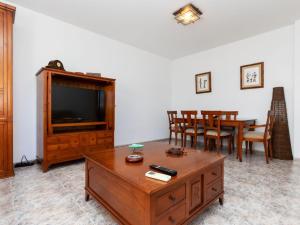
[172,220]
[214,189]
[172,198]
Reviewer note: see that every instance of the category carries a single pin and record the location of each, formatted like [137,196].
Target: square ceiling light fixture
[187,14]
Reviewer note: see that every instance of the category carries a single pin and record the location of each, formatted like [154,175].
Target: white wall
[148,85]
[274,48]
[142,86]
[297,89]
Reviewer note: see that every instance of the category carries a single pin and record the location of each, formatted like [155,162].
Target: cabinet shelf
[79,124]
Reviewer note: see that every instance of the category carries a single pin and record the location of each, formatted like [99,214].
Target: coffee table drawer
[169,199]
[176,216]
[213,174]
[214,189]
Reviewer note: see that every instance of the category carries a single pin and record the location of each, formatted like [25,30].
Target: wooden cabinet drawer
[104,141]
[169,199]
[104,134]
[88,139]
[62,142]
[214,189]
[176,216]
[213,174]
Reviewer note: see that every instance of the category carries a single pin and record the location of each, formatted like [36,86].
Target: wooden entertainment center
[64,141]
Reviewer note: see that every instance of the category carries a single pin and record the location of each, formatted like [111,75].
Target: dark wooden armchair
[230,115]
[212,129]
[265,136]
[174,126]
[190,127]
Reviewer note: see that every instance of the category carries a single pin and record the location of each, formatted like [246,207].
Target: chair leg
[176,138]
[218,145]
[247,147]
[205,143]
[251,147]
[195,140]
[233,141]
[270,149]
[170,136]
[266,151]
[181,134]
[229,145]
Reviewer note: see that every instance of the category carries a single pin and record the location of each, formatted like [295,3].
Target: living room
[153,59]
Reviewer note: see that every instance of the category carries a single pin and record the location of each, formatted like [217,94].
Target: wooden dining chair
[265,136]
[212,129]
[190,127]
[174,126]
[230,115]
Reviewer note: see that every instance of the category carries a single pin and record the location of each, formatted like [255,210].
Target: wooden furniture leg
[175,138]
[218,145]
[221,200]
[266,151]
[270,149]
[230,145]
[240,141]
[251,147]
[87,197]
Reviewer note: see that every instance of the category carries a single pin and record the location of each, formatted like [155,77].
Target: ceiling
[149,24]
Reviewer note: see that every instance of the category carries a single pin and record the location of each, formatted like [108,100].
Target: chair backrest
[212,120]
[269,124]
[230,115]
[172,115]
[190,118]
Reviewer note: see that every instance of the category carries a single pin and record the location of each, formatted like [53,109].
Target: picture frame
[203,83]
[252,76]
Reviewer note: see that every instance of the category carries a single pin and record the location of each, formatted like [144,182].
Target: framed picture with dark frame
[252,76]
[203,82]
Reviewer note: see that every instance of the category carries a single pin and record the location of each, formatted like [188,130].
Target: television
[75,105]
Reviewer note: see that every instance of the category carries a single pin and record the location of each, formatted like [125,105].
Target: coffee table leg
[221,200]
[87,197]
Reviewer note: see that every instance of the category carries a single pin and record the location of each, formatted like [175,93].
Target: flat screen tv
[75,105]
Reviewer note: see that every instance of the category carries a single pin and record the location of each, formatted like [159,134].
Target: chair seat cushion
[255,135]
[215,133]
[191,130]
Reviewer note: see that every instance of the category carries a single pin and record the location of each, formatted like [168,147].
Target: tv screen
[73,104]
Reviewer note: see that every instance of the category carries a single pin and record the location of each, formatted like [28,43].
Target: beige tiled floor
[255,194]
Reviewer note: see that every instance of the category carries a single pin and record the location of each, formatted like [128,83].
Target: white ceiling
[149,24]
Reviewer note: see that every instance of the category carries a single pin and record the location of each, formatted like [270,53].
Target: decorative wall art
[203,82]
[252,76]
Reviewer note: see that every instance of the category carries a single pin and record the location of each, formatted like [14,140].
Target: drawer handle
[214,173]
[172,220]
[172,198]
[214,189]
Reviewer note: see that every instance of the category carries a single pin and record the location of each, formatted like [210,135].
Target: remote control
[158,176]
[164,170]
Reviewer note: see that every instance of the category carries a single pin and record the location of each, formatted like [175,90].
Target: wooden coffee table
[135,199]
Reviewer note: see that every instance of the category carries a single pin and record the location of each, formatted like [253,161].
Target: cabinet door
[3,148]
[3,74]
[197,194]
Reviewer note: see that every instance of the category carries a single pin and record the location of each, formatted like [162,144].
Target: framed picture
[252,76]
[203,83]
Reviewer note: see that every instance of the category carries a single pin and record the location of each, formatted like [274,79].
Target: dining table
[239,124]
